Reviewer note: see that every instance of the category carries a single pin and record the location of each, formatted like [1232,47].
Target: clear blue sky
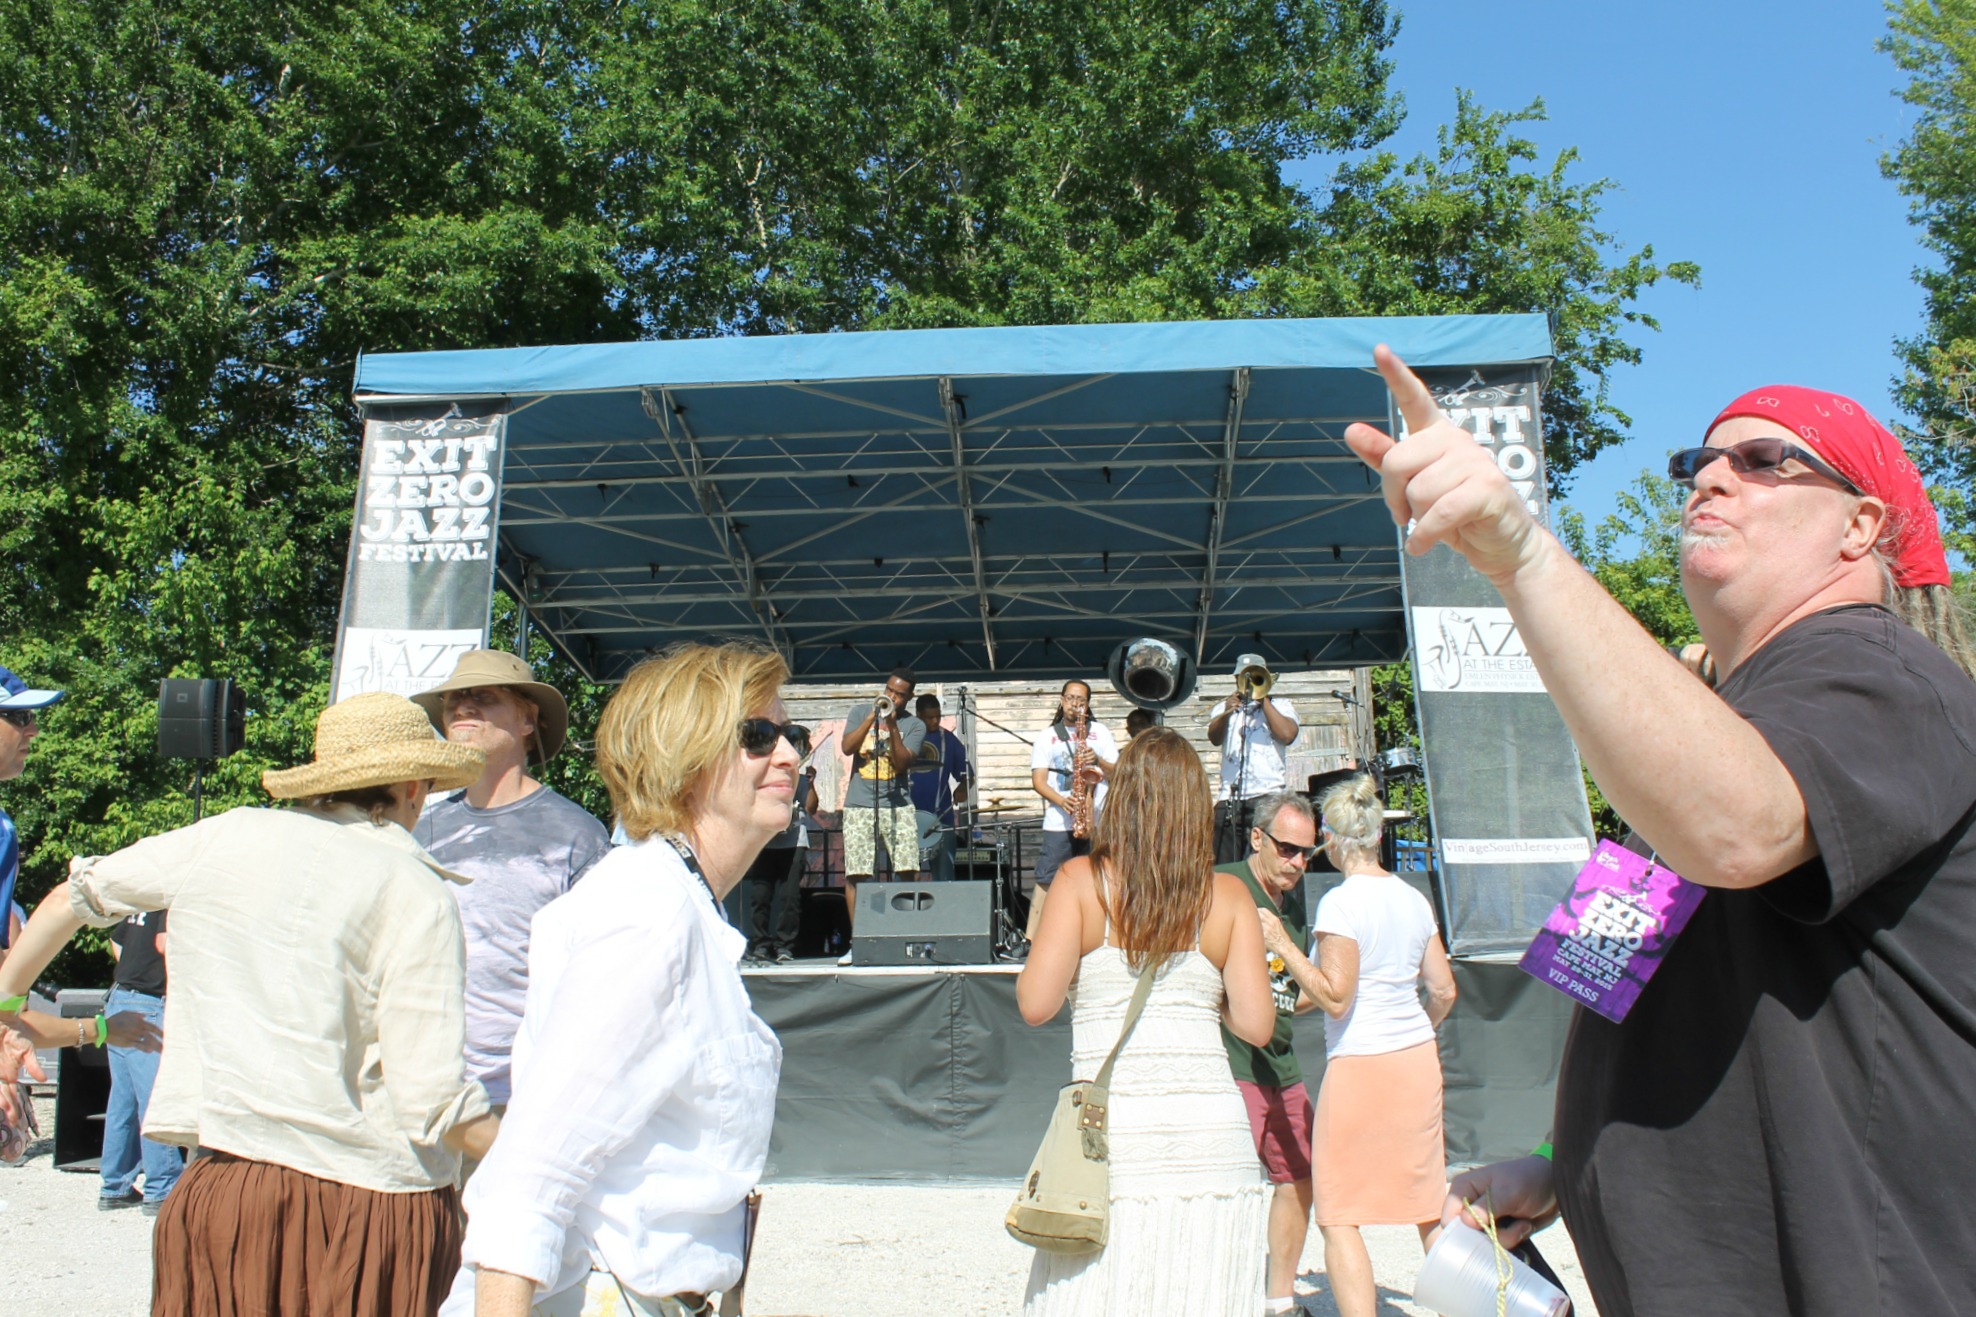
[1744,135]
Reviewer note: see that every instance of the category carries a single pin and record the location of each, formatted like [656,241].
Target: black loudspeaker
[923,923]
[82,1092]
[200,719]
[825,929]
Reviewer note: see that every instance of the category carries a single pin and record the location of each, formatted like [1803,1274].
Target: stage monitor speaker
[923,923]
[200,719]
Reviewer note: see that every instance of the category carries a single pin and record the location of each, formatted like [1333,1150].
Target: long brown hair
[1156,837]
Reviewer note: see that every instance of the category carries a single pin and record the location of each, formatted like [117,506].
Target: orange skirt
[240,1238]
[1379,1155]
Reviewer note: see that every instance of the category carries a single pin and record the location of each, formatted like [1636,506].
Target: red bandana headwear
[1866,453]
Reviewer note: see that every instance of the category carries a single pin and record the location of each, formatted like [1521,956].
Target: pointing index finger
[1416,404]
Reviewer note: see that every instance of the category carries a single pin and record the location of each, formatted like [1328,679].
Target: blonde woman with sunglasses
[644,1083]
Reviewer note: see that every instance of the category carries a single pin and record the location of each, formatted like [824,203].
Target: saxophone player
[1076,745]
[1254,730]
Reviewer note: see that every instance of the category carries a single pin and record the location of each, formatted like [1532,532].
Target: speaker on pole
[203,718]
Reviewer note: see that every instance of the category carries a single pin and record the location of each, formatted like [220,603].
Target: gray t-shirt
[874,773]
[520,857]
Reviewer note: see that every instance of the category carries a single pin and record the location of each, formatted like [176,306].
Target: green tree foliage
[1934,43]
[1479,226]
[208,211]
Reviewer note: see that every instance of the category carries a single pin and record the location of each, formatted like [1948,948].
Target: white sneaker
[844,961]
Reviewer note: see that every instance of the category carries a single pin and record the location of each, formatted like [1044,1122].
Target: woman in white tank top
[1188,1202]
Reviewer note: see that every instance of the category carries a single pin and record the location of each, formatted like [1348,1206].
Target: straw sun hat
[373,740]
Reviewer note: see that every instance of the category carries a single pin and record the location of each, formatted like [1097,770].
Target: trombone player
[1253,729]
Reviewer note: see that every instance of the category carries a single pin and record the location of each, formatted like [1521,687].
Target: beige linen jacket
[316,1015]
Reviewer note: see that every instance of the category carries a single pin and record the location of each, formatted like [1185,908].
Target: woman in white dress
[1189,1206]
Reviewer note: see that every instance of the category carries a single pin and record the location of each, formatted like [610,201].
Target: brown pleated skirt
[239,1238]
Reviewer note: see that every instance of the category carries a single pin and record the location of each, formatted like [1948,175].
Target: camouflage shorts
[897,830]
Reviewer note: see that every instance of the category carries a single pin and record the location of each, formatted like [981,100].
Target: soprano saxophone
[1081,778]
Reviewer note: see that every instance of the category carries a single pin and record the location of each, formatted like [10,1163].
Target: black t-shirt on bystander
[140,967]
[1781,1124]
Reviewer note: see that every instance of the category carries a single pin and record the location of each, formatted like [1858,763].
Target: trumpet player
[1254,730]
[1076,747]
[883,740]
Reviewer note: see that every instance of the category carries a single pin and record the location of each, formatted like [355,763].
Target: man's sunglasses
[1286,851]
[1751,455]
[21,718]
[759,735]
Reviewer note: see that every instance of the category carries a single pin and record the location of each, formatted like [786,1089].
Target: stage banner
[420,579]
[1505,790]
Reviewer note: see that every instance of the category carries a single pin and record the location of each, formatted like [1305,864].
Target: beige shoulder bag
[1065,1202]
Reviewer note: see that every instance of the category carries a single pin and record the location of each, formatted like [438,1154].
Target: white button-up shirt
[1253,761]
[644,1091]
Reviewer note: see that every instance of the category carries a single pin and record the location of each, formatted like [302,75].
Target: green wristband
[1542,1150]
[13,1005]
[102,1031]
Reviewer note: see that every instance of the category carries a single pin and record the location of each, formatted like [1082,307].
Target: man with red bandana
[1777,1126]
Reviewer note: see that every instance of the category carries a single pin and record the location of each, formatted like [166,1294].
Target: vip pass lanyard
[684,850]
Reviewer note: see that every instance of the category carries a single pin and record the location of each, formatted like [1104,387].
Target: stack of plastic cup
[1458,1278]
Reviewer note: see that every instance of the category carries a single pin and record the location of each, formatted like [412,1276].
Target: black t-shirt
[1783,1123]
[139,967]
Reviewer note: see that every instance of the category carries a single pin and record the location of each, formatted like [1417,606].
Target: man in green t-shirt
[1281,842]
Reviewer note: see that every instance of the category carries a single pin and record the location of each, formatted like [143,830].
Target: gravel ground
[824,1250]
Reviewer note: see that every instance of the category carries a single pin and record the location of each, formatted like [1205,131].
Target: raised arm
[1282,727]
[1607,676]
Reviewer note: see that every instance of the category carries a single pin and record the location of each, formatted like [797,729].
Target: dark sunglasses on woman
[1751,455]
[759,735]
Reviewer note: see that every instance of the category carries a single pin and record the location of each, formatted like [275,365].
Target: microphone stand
[1237,833]
[1005,937]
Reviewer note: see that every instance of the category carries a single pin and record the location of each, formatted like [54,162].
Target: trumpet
[882,707]
[1253,683]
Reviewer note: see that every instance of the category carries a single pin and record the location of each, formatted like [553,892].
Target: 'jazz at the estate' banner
[421,570]
[1504,786]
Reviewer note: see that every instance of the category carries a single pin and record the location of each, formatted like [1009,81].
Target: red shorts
[1280,1118]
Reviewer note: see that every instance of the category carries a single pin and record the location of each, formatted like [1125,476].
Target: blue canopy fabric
[967,502]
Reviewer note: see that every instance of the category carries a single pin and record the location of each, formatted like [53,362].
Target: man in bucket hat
[315,1038]
[523,844]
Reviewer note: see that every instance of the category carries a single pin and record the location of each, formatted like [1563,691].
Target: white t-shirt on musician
[1392,925]
[1262,771]
[1052,751]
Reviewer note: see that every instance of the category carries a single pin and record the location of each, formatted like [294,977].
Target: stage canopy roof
[970,502]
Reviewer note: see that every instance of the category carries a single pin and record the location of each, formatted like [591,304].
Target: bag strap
[1139,995]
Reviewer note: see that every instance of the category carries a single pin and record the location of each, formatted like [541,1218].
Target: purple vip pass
[1607,937]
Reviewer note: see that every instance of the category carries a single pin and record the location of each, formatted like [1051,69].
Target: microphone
[1344,697]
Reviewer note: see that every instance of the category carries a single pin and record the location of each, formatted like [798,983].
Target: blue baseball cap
[19,695]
